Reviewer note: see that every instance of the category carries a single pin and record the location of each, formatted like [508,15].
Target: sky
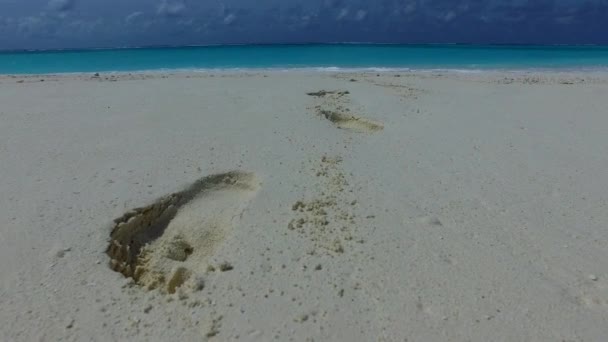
[57,24]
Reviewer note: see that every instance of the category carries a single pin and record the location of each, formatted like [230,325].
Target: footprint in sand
[166,244]
[351,122]
[334,107]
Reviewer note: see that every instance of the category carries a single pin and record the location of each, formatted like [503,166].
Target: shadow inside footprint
[154,245]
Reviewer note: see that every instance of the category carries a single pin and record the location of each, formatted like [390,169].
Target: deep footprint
[166,245]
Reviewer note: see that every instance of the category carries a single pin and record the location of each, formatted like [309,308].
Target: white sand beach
[301,206]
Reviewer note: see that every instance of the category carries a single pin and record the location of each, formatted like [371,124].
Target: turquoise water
[347,56]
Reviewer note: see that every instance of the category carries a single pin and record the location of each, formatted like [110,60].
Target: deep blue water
[465,57]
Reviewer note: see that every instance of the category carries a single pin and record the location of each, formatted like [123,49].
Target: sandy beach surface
[301,206]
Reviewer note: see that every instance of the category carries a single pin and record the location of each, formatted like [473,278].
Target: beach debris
[323,93]
[301,318]
[226,266]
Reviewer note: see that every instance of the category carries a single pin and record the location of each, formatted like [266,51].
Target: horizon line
[8,51]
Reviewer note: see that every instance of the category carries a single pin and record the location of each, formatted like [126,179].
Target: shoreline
[479,75]
[600,71]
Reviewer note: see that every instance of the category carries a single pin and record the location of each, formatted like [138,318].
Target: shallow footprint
[334,107]
[351,122]
[166,244]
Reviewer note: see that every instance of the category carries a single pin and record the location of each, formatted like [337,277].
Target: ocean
[314,56]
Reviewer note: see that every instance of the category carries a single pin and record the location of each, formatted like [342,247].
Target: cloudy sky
[44,24]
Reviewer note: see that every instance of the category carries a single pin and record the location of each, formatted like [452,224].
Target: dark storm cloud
[59,23]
